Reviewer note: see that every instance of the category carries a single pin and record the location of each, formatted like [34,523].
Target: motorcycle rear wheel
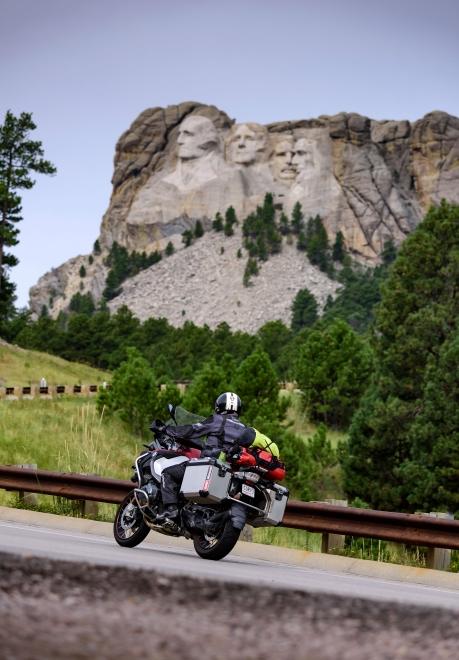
[129,528]
[216,547]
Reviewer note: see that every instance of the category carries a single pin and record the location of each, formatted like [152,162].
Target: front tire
[218,546]
[129,528]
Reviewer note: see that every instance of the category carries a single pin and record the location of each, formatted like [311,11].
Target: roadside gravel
[55,609]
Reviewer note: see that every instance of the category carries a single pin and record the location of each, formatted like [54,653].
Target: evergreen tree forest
[404,438]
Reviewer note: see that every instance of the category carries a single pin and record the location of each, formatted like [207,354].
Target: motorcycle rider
[225,433]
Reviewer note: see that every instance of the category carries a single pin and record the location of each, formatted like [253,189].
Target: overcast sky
[87,68]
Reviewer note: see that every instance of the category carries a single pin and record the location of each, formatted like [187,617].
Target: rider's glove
[233,453]
[157,426]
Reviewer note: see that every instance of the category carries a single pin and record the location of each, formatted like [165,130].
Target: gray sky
[87,68]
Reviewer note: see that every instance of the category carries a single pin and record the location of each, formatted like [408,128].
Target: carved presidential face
[303,155]
[196,137]
[282,159]
[246,143]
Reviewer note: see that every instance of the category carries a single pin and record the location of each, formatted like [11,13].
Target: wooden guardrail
[412,529]
[47,392]
[12,392]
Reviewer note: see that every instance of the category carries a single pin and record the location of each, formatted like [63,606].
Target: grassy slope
[23,367]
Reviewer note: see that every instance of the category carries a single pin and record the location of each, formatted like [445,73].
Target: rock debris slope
[202,285]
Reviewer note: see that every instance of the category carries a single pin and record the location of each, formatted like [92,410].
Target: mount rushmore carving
[371,180]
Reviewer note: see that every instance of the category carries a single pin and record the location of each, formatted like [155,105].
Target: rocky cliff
[371,180]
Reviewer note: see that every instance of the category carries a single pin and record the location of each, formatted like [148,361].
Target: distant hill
[23,367]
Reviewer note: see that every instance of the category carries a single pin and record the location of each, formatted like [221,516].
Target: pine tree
[284,225]
[338,247]
[19,158]
[206,385]
[82,304]
[134,394]
[82,271]
[251,269]
[96,247]
[256,383]
[317,246]
[187,237]
[304,310]
[230,221]
[217,224]
[198,229]
[333,368]
[389,252]
[302,243]
[297,219]
[169,249]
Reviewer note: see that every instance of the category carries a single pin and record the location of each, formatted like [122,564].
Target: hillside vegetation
[19,366]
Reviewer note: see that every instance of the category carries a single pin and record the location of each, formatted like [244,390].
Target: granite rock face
[371,180]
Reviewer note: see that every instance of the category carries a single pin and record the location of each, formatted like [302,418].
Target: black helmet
[228,402]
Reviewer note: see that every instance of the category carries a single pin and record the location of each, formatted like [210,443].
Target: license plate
[248,490]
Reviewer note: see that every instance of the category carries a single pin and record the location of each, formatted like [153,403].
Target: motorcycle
[211,494]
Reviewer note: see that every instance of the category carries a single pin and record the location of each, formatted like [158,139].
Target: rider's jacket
[222,431]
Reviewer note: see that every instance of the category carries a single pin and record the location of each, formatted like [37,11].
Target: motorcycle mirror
[171,408]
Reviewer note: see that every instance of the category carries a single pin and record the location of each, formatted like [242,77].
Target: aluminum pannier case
[276,505]
[206,480]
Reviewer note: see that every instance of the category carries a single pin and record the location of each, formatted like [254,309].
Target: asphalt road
[177,557]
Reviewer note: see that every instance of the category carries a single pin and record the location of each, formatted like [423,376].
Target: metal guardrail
[413,529]
[64,484]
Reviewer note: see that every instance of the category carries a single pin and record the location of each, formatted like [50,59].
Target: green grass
[65,435]
[20,367]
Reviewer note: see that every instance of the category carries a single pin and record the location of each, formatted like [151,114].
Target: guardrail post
[28,392]
[28,499]
[44,392]
[247,534]
[89,508]
[333,541]
[11,393]
[439,558]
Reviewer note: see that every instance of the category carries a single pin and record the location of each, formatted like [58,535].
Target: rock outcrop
[371,180]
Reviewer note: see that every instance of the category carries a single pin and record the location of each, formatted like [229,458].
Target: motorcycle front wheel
[218,546]
[129,528]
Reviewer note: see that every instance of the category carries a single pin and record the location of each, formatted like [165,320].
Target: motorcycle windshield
[183,416]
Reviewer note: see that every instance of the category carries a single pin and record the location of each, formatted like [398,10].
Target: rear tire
[216,547]
[129,528]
